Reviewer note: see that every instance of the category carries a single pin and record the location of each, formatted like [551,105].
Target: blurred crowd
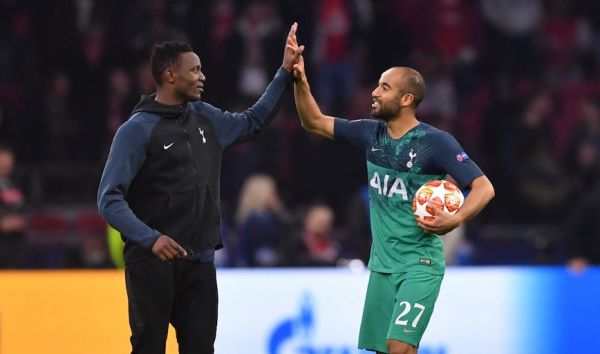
[515,81]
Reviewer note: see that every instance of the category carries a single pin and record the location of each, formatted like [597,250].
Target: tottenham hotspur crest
[412,155]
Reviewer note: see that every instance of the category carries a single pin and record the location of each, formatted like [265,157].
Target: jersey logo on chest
[412,155]
[388,188]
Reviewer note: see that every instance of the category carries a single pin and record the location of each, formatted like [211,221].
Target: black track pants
[179,292]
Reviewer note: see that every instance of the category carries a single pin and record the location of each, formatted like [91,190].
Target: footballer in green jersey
[407,260]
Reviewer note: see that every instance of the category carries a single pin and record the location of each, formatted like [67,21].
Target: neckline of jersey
[388,136]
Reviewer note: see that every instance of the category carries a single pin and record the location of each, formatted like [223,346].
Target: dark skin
[184,82]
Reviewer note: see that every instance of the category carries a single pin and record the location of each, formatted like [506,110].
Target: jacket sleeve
[126,156]
[236,128]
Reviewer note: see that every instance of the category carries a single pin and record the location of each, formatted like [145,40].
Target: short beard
[388,110]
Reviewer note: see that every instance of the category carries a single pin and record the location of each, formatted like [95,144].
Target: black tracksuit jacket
[162,173]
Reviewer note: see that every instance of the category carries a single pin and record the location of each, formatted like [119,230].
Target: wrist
[459,219]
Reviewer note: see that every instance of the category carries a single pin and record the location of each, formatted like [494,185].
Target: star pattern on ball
[445,195]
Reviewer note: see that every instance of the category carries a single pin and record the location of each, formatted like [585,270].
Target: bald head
[409,81]
[399,89]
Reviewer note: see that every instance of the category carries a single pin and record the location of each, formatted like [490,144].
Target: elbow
[105,204]
[485,187]
[101,202]
[308,126]
[311,123]
[102,209]
[100,205]
[492,192]
[304,124]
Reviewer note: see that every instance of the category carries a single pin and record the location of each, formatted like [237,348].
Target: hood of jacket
[148,104]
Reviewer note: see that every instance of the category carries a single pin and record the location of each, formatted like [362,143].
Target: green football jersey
[396,169]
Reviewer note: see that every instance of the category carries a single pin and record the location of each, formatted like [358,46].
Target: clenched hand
[166,248]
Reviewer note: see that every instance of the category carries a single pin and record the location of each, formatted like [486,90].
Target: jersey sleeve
[451,158]
[236,128]
[126,156]
[356,133]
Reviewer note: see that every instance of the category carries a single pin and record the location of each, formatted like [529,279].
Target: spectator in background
[582,156]
[120,100]
[143,78]
[146,22]
[334,54]
[60,119]
[511,36]
[93,57]
[315,246]
[262,223]
[582,241]
[221,46]
[440,88]
[559,40]
[356,239]
[457,35]
[12,219]
[530,157]
[498,117]
[259,30]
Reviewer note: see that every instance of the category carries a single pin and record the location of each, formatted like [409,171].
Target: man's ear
[407,99]
[169,76]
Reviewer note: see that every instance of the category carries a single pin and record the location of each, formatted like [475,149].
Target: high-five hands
[166,248]
[298,67]
[292,51]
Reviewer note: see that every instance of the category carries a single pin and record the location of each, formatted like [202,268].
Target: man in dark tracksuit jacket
[160,190]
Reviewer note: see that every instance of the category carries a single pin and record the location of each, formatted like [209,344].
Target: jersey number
[384,188]
[405,305]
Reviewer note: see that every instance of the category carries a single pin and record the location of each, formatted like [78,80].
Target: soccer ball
[444,195]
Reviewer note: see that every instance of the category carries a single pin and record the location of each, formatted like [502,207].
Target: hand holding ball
[439,194]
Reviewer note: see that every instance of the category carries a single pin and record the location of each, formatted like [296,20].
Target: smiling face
[388,95]
[187,77]
[398,88]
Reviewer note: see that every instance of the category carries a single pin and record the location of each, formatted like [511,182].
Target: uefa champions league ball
[444,195]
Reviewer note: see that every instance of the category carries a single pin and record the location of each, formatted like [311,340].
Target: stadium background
[515,81]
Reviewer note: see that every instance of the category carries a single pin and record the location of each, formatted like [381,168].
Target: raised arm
[236,128]
[313,120]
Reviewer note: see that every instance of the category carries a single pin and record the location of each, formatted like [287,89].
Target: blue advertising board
[492,310]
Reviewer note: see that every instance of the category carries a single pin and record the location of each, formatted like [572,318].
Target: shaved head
[411,82]
[398,87]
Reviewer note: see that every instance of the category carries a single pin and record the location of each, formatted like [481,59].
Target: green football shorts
[397,306]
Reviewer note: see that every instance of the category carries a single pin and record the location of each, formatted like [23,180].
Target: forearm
[311,117]
[480,195]
[127,155]
[265,109]
[117,213]
[307,107]
[236,128]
